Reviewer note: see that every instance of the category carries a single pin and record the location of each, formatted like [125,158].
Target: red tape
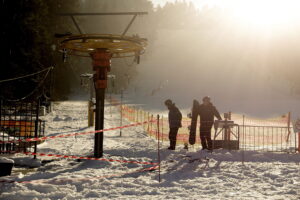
[73,134]
[155,165]
[80,179]
[83,158]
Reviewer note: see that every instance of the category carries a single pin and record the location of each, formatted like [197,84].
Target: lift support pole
[101,66]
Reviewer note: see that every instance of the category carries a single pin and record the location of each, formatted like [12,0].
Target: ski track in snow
[223,176]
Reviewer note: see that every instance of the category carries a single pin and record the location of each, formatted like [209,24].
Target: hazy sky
[198,3]
[260,14]
[234,64]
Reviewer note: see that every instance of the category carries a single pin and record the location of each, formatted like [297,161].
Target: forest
[207,39]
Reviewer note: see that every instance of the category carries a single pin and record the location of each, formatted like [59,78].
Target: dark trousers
[172,137]
[205,135]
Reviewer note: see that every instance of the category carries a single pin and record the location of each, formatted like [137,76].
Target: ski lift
[101,48]
[85,80]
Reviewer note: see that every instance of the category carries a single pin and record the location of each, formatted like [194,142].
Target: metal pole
[226,143]
[151,124]
[76,24]
[121,111]
[137,114]
[105,13]
[162,130]
[110,107]
[288,126]
[254,128]
[100,93]
[36,127]
[101,64]
[148,122]
[128,26]
[158,149]
[298,141]
[243,154]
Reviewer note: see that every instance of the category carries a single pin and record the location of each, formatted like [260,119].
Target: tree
[25,44]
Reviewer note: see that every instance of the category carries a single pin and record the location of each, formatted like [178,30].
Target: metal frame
[227,129]
[119,46]
[268,138]
[20,120]
[135,14]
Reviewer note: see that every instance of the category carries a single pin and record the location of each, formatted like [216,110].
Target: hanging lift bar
[135,14]
[107,13]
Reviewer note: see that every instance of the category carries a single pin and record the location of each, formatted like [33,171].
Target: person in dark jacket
[207,111]
[175,117]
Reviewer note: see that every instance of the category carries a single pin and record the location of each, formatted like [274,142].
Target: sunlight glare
[261,14]
[266,12]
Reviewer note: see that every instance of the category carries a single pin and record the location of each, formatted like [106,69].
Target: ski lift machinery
[101,48]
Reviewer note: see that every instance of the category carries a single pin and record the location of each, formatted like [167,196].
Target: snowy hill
[189,64]
[184,174]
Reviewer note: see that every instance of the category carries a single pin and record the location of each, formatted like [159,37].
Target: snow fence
[272,134]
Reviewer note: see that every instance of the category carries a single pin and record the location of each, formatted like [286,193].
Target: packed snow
[6,160]
[191,174]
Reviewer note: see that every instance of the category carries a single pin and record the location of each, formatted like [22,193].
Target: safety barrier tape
[81,157]
[73,134]
[80,179]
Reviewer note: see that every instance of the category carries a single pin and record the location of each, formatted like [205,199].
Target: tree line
[29,45]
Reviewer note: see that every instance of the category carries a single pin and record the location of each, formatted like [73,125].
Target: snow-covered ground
[183,174]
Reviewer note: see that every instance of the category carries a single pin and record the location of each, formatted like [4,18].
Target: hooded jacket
[207,113]
[175,117]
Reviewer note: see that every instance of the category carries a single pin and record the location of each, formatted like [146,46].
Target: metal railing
[272,135]
[268,138]
[19,121]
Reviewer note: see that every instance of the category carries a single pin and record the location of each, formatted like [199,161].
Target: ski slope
[184,174]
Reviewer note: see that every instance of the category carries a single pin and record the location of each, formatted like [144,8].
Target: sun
[266,12]
[261,14]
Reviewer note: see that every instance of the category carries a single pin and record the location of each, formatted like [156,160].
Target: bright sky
[198,3]
[260,13]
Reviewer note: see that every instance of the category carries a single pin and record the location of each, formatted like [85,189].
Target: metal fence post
[288,126]
[298,141]
[148,122]
[243,154]
[36,127]
[158,149]
[137,115]
[151,124]
[162,129]
[121,112]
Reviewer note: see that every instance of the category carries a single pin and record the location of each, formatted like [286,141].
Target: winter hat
[206,98]
[168,102]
